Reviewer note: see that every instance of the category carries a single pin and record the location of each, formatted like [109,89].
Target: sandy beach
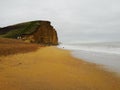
[51,68]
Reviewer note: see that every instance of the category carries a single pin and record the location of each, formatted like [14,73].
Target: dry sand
[51,68]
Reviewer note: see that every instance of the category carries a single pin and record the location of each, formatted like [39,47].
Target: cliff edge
[41,32]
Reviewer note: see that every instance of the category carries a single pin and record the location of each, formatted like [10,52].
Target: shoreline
[53,68]
[107,61]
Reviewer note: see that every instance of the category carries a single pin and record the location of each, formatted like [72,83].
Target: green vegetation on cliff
[19,29]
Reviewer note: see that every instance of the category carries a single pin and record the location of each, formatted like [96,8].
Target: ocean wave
[94,47]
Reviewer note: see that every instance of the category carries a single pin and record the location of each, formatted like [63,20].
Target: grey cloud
[74,19]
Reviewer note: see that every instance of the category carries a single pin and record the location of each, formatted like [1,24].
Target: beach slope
[51,68]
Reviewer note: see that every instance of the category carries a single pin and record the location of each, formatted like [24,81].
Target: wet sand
[51,68]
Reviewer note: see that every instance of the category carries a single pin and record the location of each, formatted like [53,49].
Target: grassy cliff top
[16,30]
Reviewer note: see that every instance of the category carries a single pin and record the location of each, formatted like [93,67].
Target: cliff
[41,32]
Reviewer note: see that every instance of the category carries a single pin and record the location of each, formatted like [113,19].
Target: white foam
[107,55]
[104,49]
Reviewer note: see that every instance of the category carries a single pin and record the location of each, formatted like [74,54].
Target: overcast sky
[74,20]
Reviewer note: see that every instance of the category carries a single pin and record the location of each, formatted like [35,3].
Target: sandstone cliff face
[45,34]
[35,31]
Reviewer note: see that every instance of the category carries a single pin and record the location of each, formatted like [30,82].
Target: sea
[105,54]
